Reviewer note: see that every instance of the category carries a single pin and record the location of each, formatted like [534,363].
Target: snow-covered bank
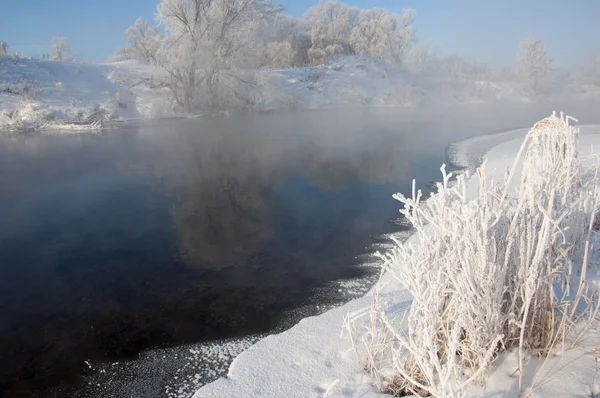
[300,362]
[37,94]
[67,95]
[345,81]
[364,81]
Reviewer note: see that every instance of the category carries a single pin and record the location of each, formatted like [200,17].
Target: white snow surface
[50,94]
[315,358]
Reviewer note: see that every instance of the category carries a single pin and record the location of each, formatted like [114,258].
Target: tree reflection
[226,178]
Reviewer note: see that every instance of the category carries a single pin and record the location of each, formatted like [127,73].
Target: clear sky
[485,30]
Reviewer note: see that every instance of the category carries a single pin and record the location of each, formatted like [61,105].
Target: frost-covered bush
[489,273]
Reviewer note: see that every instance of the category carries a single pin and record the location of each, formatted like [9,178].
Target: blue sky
[485,30]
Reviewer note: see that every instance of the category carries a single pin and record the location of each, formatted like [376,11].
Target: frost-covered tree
[279,54]
[422,58]
[337,28]
[331,24]
[383,35]
[535,66]
[60,48]
[3,48]
[209,48]
[143,40]
[460,68]
[301,44]
[287,30]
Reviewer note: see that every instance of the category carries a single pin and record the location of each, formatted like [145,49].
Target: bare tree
[535,66]
[60,48]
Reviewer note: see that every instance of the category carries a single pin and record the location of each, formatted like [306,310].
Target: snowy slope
[315,359]
[36,94]
[365,81]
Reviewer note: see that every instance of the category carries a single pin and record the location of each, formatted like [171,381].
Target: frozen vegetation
[494,294]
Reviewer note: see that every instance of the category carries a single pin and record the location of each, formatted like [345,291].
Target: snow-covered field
[315,358]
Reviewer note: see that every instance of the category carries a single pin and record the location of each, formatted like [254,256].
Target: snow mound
[49,94]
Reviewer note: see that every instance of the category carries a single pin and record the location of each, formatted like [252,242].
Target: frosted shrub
[489,273]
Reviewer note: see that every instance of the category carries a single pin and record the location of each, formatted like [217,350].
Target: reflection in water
[226,178]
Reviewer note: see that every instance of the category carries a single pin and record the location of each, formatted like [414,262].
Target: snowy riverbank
[39,94]
[315,358]
[60,95]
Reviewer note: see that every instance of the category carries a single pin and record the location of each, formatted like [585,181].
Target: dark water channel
[173,232]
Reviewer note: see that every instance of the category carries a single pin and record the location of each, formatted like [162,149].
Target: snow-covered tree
[383,35]
[144,41]
[460,68]
[301,44]
[535,66]
[331,24]
[209,48]
[337,28]
[422,58]
[278,54]
[3,48]
[60,48]
[287,30]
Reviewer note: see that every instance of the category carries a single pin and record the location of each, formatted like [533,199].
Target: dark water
[182,231]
